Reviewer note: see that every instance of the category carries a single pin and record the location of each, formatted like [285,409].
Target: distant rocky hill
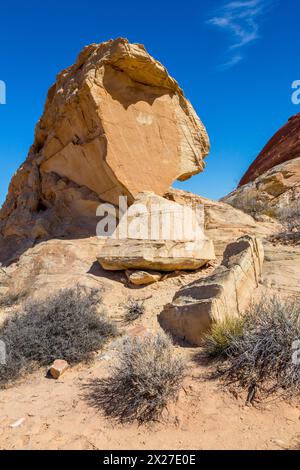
[270,191]
[282,147]
[271,186]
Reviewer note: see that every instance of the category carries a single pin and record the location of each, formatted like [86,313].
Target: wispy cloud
[241,19]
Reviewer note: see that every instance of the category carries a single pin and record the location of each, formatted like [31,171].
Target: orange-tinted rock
[58,368]
[284,146]
[115,123]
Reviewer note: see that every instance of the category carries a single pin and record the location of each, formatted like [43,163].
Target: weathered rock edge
[115,123]
[226,293]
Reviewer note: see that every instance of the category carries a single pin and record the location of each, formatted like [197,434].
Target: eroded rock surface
[226,293]
[272,193]
[115,123]
[224,223]
[157,234]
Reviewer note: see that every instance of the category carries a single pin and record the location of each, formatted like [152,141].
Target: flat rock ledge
[159,235]
[226,293]
[164,255]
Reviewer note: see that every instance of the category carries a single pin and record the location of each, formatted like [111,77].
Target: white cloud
[241,20]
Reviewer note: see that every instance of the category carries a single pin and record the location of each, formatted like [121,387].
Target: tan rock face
[117,255]
[281,270]
[157,234]
[224,223]
[226,293]
[271,192]
[115,123]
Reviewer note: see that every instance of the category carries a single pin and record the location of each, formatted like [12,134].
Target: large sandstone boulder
[284,146]
[115,123]
[157,234]
[226,293]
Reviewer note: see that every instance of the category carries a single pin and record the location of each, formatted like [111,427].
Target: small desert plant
[270,212]
[134,310]
[290,216]
[247,203]
[12,298]
[217,344]
[262,359]
[145,379]
[65,325]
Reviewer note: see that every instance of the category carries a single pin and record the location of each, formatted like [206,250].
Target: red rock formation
[284,146]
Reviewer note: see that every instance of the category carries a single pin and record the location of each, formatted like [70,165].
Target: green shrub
[218,342]
[145,379]
[66,325]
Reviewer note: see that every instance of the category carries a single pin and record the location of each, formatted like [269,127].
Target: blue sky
[235,60]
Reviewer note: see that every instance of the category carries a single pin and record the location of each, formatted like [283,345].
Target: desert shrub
[66,325]
[134,309]
[247,203]
[261,359]
[217,344]
[146,377]
[12,298]
[290,216]
[270,212]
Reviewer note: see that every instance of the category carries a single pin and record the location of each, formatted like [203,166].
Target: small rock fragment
[139,278]
[58,368]
[17,423]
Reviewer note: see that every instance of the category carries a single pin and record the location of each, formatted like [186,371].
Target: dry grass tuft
[66,325]
[145,379]
[134,310]
[264,357]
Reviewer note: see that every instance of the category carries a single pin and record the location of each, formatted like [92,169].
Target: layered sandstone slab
[284,146]
[115,123]
[226,293]
[164,255]
[157,234]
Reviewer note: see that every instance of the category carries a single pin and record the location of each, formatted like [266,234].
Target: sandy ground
[56,414]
